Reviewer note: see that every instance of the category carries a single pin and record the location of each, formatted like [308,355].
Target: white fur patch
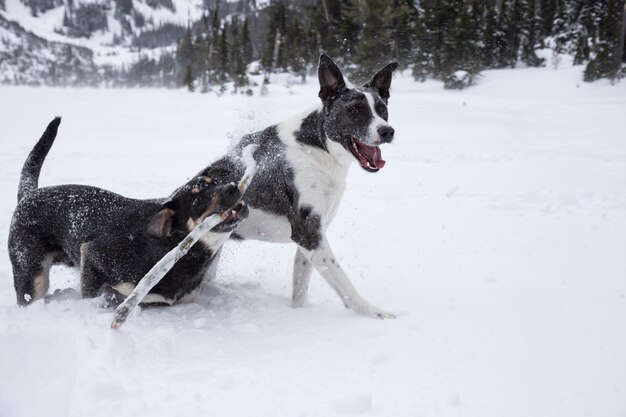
[125,288]
[264,226]
[212,240]
[320,176]
[373,138]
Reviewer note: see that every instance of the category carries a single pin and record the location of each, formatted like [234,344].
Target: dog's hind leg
[326,264]
[302,270]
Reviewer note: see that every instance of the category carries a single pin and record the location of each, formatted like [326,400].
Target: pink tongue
[372,154]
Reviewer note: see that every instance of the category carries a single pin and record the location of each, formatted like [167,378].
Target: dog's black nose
[230,192]
[386,133]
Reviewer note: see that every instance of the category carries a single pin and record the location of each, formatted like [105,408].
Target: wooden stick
[161,268]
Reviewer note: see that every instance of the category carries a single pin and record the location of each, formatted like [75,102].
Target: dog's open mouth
[368,156]
[232,217]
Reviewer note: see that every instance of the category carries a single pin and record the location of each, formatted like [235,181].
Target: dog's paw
[298,299]
[373,312]
[297,303]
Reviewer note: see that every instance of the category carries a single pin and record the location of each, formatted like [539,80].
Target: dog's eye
[195,201]
[355,110]
[382,111]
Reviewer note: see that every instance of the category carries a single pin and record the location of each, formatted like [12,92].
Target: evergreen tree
[530,35]
[237,64]
[185,57]
[491,38]
[548,10]
[583,30]
[402,16]
[273,55]
[512,20]
[223,55]
[295,49]
[214,40]
[188,79]
[374,40]
[560,33]
[246,42]
[349,26]
[123,8]
[455,47]
[202,61]
[421,50]
[605,62]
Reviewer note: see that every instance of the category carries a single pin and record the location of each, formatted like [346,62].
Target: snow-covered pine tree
[530,33]
[512,15]
[605,61]
[547,9]
[491,38]
[583,29]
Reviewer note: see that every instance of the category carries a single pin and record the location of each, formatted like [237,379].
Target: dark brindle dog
[115,239]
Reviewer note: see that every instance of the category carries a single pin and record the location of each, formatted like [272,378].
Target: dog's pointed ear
[382,80]
[160,224]
[331,79]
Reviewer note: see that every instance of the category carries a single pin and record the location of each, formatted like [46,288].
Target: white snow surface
[496,231]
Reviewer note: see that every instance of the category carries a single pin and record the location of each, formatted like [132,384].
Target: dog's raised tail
[29,179]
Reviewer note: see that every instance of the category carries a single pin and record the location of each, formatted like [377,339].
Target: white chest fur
[319,178]
[319,175]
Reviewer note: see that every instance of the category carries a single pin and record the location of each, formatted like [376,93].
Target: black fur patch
[311,131]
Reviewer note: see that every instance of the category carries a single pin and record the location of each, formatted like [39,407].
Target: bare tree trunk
[276,49]
[209,62]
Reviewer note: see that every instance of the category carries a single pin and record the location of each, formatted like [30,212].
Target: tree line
[448,40]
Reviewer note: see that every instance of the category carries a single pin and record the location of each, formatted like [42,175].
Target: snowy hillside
[41,40]
[496,231]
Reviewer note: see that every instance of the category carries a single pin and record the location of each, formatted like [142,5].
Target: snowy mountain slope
[26,58]
[497,232]
[112,32]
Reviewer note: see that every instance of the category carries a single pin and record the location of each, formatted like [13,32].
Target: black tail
[32,167]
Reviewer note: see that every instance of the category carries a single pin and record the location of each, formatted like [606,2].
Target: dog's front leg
[326,264]
[302,270]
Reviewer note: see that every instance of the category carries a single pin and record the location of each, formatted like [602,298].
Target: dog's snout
[386,133]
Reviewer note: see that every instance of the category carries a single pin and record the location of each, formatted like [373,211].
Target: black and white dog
[115,240]
[302,164]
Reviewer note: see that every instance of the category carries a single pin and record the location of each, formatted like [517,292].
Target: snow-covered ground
[496,232]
